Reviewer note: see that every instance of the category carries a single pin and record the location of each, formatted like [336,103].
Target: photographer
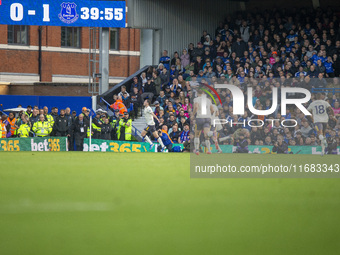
[280,147]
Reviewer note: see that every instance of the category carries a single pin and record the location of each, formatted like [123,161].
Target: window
[114,38]
[17,34]
[70,37]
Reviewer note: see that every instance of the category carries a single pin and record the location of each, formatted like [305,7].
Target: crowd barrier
[34,144]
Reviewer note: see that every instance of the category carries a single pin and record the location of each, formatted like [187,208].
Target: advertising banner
[34,144]
[119,146]
[257,149]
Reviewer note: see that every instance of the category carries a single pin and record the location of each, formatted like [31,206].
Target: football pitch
[146,203]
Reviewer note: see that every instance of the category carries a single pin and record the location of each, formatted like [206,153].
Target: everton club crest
[68,13]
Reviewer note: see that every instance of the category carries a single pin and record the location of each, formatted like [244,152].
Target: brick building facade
[60,61]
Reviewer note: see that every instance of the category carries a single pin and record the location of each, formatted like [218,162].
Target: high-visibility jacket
[120,106]
[128,129]
[12,123]
[49,119]
[117,130]
[3,131]
[42,128]
[24,130]
[94,126]
[29,115]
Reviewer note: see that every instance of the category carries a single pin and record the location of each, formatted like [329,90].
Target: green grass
[108,203]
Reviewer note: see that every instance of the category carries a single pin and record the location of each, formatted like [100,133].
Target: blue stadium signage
[78,13]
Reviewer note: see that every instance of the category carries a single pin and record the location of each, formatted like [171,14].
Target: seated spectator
[175,133]
[135,84]
[161,98]
[185,134]
[122,91]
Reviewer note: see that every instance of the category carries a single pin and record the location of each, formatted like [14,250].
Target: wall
[46,89]
[75,103]
[180,22]
[60,61]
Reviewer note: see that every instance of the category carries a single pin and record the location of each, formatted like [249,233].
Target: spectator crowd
[274,48]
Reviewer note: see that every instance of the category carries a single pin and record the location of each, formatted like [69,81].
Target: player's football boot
[208,152]
[197,152]
[151,146]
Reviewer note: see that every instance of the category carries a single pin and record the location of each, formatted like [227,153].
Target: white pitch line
[29,207]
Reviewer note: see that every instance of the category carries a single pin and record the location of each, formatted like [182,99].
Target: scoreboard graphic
[77,13]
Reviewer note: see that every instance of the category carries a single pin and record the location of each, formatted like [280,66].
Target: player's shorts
[202,123]
[320,126]
[150,128]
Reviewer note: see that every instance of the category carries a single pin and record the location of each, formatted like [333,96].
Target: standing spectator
[136,100]
[148,90]
[185,58]
[125,125]
[244,30]
[239,47]
[79,128]
[29,111]
[25,128]
[126,100]
[118,105]
[165,60]
[48,117]
[165,77]
[35,116]
[135,84]
[42,128]
[157,81]
[106,130]
[68,115]
[61,124]
[4,126]
[174,59]
[54,113]
[11,120]
[199,51]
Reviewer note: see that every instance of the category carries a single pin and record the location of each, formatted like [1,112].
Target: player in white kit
[149,115]
[202,112]
[319,109]
[215,127]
